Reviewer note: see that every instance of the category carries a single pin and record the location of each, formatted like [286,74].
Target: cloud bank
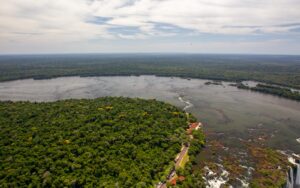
[45,23]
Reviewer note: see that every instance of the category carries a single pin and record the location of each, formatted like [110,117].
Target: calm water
[224,109]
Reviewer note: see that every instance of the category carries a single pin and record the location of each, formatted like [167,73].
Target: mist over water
[223,109]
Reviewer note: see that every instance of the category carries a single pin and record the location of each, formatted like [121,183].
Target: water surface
[223,109]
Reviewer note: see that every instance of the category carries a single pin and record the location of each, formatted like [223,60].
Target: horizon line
[144,53]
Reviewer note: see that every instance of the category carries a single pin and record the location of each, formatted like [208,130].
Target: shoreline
[150,74]
[233,83]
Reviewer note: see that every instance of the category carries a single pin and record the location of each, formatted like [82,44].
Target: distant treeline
[274,90]
[281,70]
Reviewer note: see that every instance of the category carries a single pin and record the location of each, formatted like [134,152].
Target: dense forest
[273,90]
[104,142]
[282,70]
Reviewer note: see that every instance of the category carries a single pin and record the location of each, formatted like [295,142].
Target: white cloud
[204,16]
[62,21]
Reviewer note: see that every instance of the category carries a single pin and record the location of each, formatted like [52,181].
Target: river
[229,115]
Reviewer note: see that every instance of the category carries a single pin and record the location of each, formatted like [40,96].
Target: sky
[141,26]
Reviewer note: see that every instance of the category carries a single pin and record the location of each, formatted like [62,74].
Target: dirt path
[181,155]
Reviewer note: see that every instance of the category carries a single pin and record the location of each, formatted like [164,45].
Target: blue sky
[114,26]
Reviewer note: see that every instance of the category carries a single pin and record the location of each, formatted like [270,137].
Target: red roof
[192,127]
[173,181]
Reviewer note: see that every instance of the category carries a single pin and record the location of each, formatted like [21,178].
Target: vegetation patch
[105,142]
[270,168]
[185,159]
[282,70]
[273,90]
[189,176]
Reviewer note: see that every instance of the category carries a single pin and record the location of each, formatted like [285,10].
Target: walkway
[181,156]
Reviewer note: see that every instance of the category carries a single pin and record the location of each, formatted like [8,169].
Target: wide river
[229,115]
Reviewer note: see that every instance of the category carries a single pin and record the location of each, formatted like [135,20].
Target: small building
[194,126]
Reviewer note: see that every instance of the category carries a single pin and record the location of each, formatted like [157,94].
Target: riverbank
[271,89]
[231,115]
[281,90]
[175,175]
[282,70]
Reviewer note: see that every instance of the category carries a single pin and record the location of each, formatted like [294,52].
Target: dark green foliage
[196,144]
[274,90]
[105,142]
[279,91]
[193,176]
[282,70]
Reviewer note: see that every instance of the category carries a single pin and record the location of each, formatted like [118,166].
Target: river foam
[188,103]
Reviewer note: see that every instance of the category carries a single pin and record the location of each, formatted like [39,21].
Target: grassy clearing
[184,160]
